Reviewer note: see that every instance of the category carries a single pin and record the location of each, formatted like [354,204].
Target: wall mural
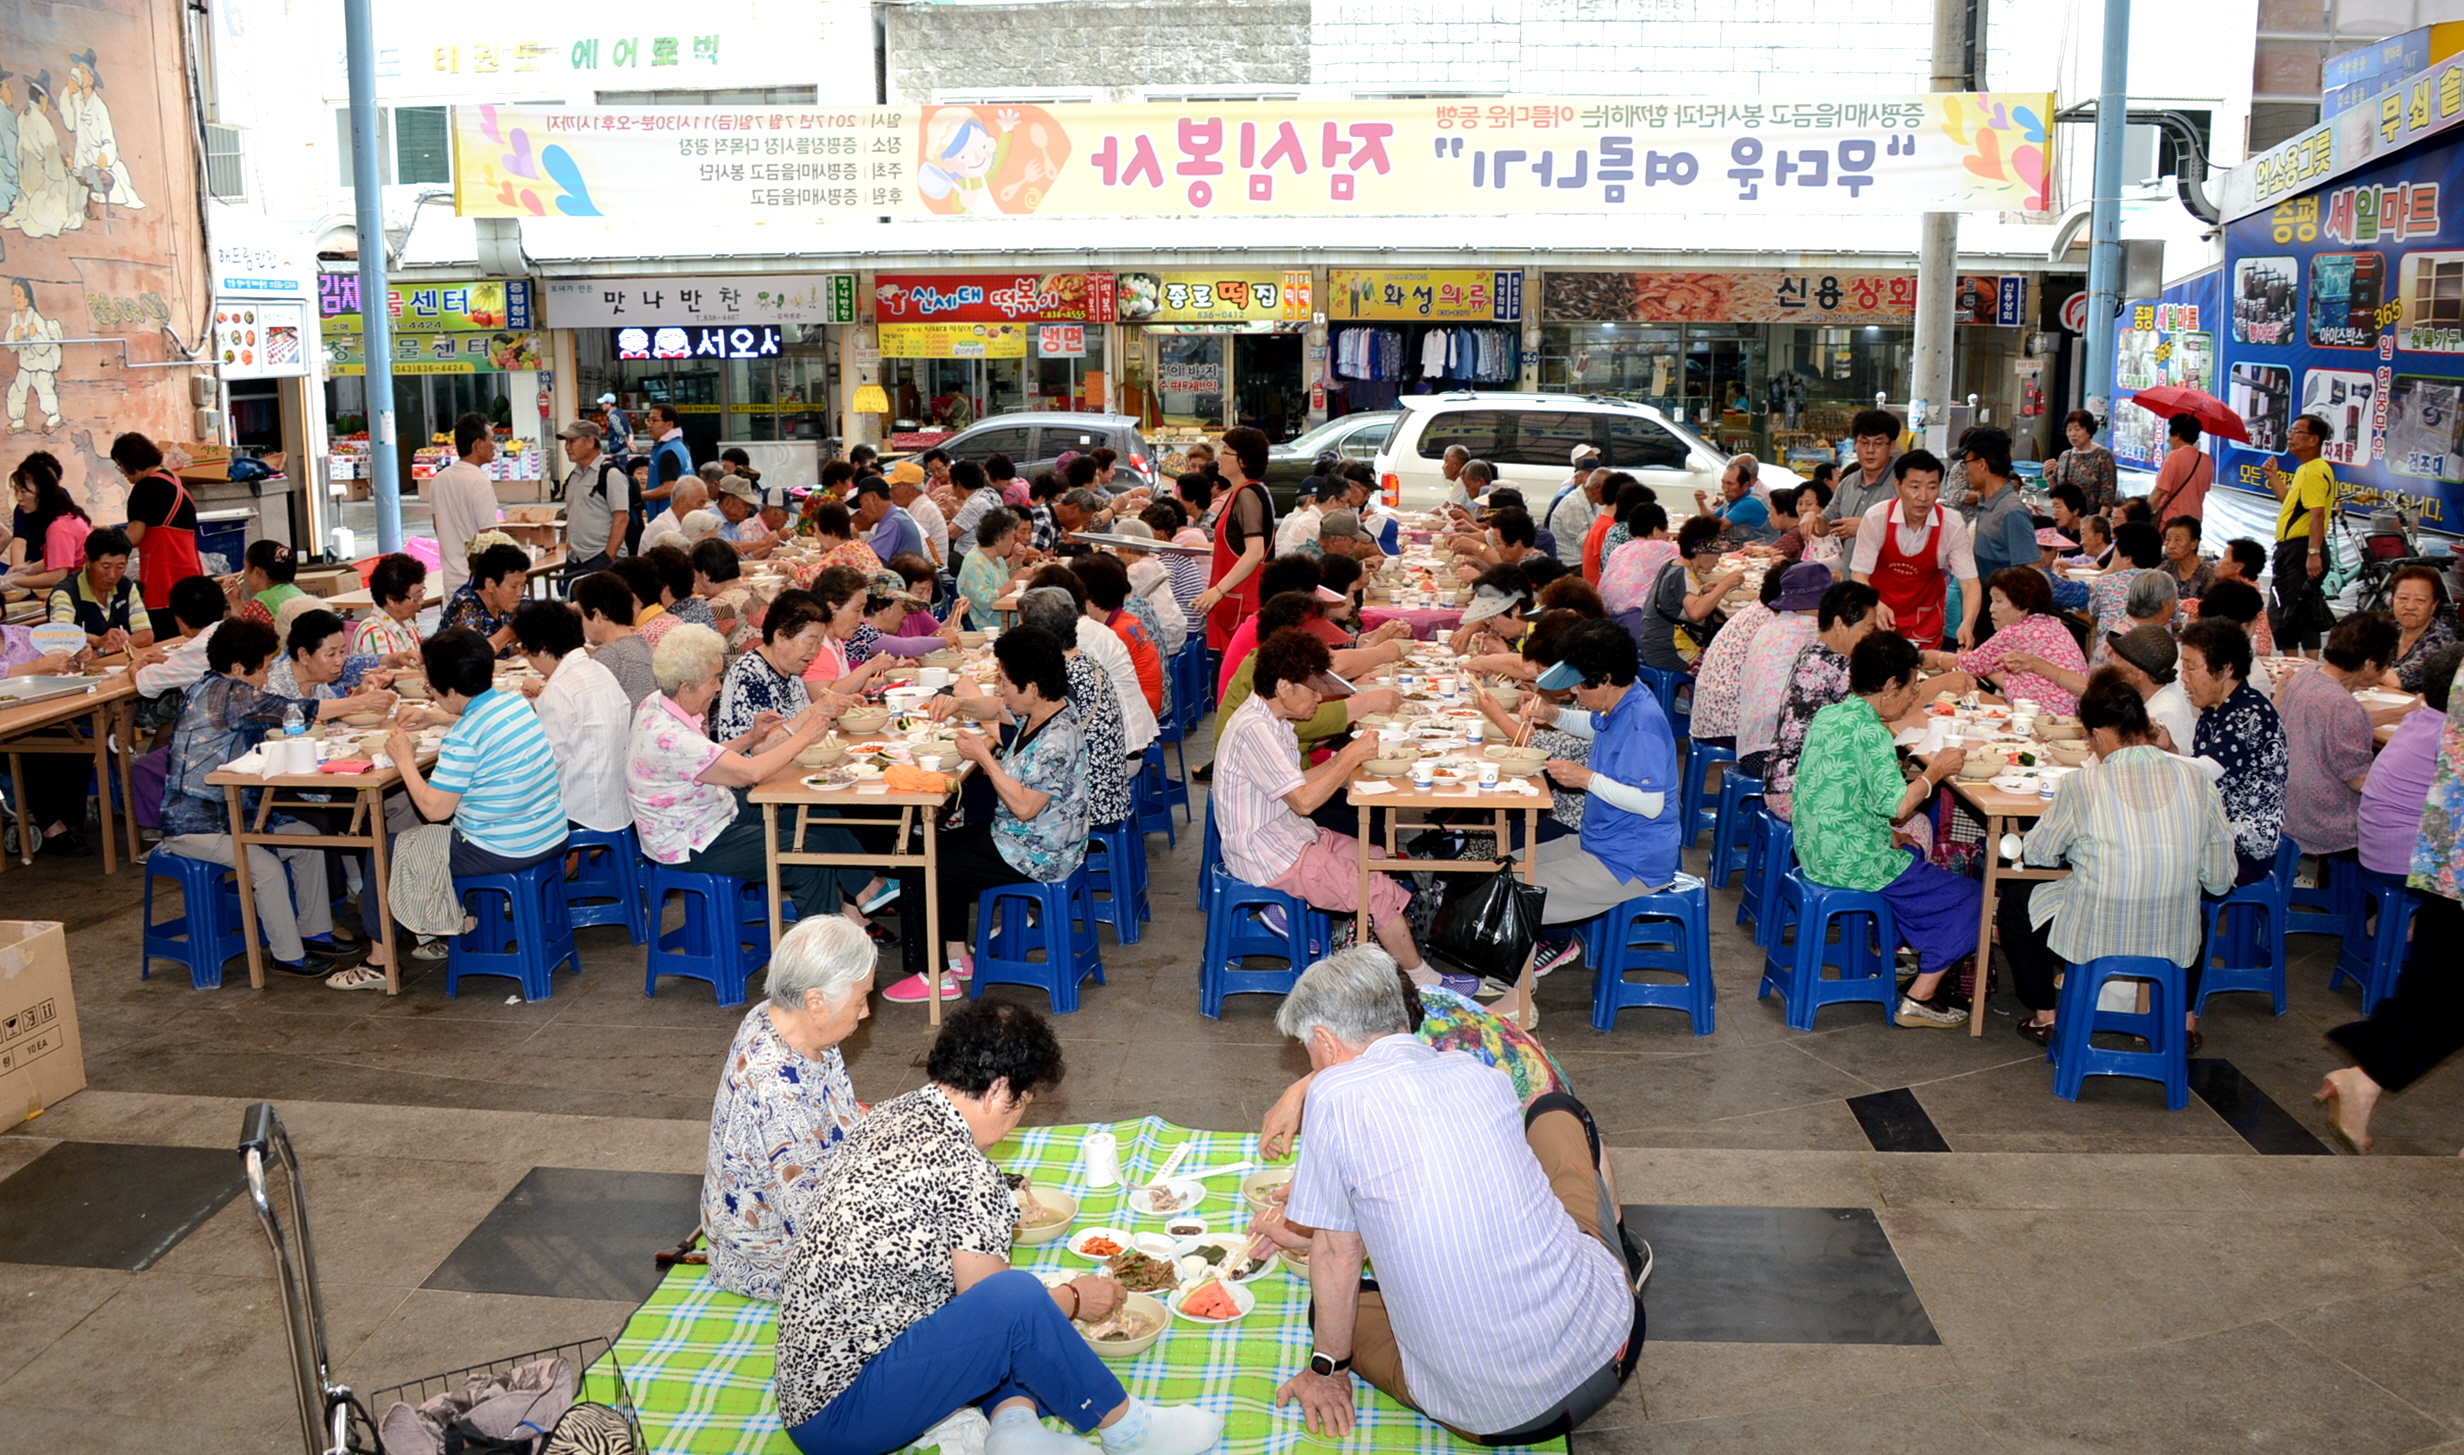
[99,236]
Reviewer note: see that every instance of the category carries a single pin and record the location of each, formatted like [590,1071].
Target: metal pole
[376,328]
[1937,259]
[2105,217]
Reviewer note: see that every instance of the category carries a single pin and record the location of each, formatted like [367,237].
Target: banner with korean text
[1875,156]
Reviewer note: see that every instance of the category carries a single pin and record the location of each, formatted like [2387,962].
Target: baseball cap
[906,472]
[1802,586]
[1488,601]
[580,429]
[739,487]
[607,399]
[2149,648]
[1339,523]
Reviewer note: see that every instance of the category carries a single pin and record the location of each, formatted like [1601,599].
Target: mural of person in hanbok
[8,143]
[49,201]
[35,340]
[95,160]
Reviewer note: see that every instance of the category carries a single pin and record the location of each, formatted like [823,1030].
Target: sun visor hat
[1327,684]
[1560,678]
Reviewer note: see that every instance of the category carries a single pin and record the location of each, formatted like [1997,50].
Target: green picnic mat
[697,1359]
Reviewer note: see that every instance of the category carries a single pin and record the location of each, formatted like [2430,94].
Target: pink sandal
[913,990]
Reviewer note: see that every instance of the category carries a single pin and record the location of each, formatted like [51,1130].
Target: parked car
[1353,436]
[1531,439]
[1036,440]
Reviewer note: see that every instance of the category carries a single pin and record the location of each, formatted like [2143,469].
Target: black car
[1352,436]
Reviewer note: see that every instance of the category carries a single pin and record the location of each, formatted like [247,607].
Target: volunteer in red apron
[162,520]
[1909,550]
[1244,531]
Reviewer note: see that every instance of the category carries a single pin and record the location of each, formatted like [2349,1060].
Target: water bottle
[293,725]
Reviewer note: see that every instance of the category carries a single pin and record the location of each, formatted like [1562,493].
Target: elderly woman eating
[2030,654]
[485,603]
[784,1103]
[399,586]
[899,1306]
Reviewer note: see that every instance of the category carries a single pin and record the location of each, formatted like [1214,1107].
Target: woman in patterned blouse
[2086,464]
[2238,727]
[2030,654]
[485,602]
[1818,678]
[398,584]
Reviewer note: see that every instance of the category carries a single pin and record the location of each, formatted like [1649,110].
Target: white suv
[1531,438]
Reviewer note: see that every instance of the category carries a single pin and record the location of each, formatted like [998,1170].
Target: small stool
[1063,929]
[1236,929]
[1667,930]
[523,938]
[2246,929]
[2377,967]
[2331,907]
[2076,1016]
[1691,819]
[1665,685]
[1732,831]
[1863,957]
[207,932]
[1168,730]
[710,944]
[1210,854]
[1116,865]
[1771,853]
[606,887]
[1151,796]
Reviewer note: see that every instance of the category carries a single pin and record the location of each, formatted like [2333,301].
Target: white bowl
[1187,1193]
[1242,1298]
[1146,1305]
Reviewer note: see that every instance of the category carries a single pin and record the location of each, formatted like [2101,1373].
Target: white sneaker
[1914,1013]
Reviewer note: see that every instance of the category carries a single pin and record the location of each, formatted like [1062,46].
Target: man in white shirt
[908,494]
[1301,526]
[1098,642]
[668,525]
[1909,549]
[1572,510]
[461,498]
[582,707]
[174,664]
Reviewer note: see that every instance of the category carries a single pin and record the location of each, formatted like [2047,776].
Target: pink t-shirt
[2181,483]
[64,543]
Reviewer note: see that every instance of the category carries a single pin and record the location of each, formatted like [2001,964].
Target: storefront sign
[994,297]
[2171,341]
[438,353]
[1199,376]
[2423,106]
[1061,341]
[255,258]
[1865,157]
[487,303]
[2347,302]
[1769,298]
[1215,297]
[620,302]
[262,338]
[954,340]
[696,341]
[1452,295]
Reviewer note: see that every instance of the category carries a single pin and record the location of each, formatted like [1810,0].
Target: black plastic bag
[1489,923]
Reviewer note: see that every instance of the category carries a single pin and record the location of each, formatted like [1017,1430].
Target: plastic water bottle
[293,725]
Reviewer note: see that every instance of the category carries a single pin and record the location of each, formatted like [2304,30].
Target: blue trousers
[999,1340]
[1936,912]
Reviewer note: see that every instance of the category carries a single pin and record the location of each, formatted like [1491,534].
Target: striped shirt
[1501,1303]
[498,759]
[2143,832]
[1257,762]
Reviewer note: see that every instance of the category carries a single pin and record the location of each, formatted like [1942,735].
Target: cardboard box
[40,1059]
[328,580]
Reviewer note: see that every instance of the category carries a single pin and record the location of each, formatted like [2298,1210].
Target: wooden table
[28,728]
[365,830]
[1498,803]
[2001,812]
[855,808]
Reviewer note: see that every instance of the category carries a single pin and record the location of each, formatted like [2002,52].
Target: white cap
[607,399]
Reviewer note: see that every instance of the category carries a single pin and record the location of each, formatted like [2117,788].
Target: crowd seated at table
[607,606]
[582,708]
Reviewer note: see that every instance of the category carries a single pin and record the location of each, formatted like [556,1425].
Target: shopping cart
[334,1421]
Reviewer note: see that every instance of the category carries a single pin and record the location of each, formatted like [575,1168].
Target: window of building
[733,96]
[414,144]
[226,172]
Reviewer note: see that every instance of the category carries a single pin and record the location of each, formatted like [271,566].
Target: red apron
[167,556]
[1241,601]
[1912,586]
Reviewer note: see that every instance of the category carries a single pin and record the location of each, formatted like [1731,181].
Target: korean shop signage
[696,341]
[623,302]
[481,304]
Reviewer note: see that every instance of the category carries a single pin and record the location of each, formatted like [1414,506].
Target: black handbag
[1489,923]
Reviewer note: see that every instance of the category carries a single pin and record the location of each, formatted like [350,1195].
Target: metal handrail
[324,1406]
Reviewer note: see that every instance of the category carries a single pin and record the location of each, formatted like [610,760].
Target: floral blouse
[1818,678]
[752,686]
[465,609]
[2244,735]
[1099,721]
[736,612]
[220,719]
[2109,599]
[2438,858]
[1050,760]
[904,1191]
[2038,635]
[1451,1022]
[778,1116]
[1719,687]
[678,815]
[380,635]
[2091,469]
[2414,666]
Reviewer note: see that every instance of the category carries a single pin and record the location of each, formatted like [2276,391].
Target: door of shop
[1266,370]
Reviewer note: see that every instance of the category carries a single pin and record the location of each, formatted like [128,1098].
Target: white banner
[765,299]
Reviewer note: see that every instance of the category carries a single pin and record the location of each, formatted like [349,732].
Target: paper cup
[1424,774]
[1488,774]
[1477,731]
[935,678]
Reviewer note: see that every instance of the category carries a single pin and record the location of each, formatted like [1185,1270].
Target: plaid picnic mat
[697,1359]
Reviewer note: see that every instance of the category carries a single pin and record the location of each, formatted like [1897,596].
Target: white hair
[1356,994]
[829,953]
[700,525]
[686,656]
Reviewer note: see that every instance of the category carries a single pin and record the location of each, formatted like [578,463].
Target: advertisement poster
[2348,303]
[993,298]
[1872,156]
[2169,341]
[619,302]
[262,338]
[437,353]
[486,303]
[2415,111]
[955,340]
[1261,298]
[1438,295]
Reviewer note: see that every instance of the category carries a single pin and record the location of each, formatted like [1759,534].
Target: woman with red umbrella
[2182,481]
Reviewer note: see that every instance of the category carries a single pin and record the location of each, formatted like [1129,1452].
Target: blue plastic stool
[1236,929]
[2331,907]
[710,944]
[2167,1057]
[2377,967]
[606,887]
[1864,956]
[1669,930]
[1665,685]
[1151,796]
[2246,930]
[207,932]
[1772,852]
[1210,854]
[1116,865]
[1168,730]
[1691,818]
[1732,830]
[524,931]
[1064,931]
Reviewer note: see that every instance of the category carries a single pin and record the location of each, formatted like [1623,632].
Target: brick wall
[1092,43]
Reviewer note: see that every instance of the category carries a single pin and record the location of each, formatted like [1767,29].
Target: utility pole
[1937,258]
[376,327]
[2105,213]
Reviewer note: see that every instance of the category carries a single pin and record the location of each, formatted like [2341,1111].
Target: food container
[970,640]
[1060,1210]
[1155,1318]
[2070,751]
[943,658]
[1391,767]
[821,754]
[1258,1188]
[2056,728]
[1978,767]
[1515,762]
[864,720]
[362,719]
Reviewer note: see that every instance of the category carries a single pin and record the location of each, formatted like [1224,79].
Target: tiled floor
[488,1177]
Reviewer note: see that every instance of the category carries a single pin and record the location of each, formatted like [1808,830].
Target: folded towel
[902,778]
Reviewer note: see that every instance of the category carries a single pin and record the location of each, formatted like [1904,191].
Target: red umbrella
[2213,414]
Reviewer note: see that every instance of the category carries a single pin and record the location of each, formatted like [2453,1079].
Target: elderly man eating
[1427,1164]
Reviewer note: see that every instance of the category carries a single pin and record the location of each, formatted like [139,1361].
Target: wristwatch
[1328,1364]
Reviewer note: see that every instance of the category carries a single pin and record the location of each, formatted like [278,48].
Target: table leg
[1527,1014]
[25,810]
[248,889]
[1362,933]
[770,858]
[1984,924]
[374,801]
[932,918]
[128,777]
[101,722]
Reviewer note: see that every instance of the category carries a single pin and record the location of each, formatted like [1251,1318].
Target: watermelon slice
[1209,1300]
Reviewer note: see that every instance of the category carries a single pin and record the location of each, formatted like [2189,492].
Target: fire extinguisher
[2032,399]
